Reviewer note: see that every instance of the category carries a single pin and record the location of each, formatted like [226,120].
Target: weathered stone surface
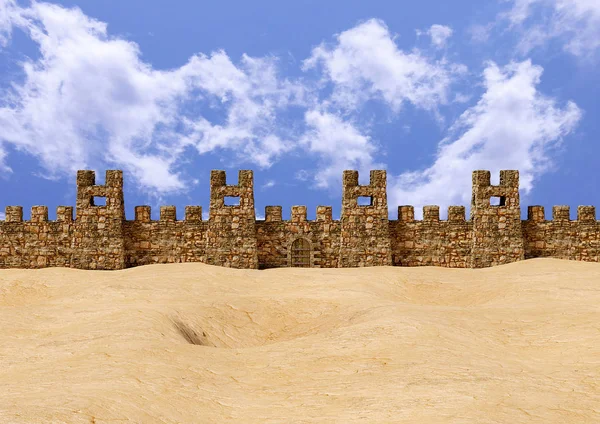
[365,236]
[100,238]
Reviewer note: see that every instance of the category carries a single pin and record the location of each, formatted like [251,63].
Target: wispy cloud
[95,104]
[512,126]
[339,145]
[576,22]
[268,184]
[8,13]
[480,33]
[439,34]
[366,63]
[93,101]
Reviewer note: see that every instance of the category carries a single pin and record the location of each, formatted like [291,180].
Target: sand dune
[194,343]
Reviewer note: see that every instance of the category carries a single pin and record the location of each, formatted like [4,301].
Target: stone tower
[497,234]
[231,234]
[365,238]
[98,241]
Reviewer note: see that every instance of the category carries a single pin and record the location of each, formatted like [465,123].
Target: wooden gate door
[301,253]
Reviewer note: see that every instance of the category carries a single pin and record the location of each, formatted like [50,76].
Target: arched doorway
[300,253]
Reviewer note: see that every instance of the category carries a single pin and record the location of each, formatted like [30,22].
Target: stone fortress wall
[99,237]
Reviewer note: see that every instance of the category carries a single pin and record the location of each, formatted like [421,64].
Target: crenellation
[14,214]
[218,179]
[168,213]
[99,236]
[324,214]
[114,179]
[298,214]
[431,213]
[509,179]
[350,178]
[245,179]
[456,214]
[64,213]
[406,213]
[193,213]
[39,214]
[86,178]
[561,213]
[378,178]
[481,178]
[273,214]
[586,214]
[536,213]
[142,213]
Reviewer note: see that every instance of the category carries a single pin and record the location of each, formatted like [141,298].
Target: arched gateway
[300,253]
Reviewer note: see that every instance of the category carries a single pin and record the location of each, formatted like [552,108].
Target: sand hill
[194,343]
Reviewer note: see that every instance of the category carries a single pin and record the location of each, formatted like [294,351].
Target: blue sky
[298,92]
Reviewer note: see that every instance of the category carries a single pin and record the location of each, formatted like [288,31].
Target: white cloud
[366,63]
[511,127]
[480,33]
[577,22]
[302,175]
[439,34]
[90,99]
[268,184]
[7,15]
[461,98]
[254,97]
[339,145]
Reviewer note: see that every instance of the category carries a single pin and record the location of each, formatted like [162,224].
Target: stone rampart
[99,236]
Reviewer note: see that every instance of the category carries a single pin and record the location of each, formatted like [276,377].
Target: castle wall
[560,237]
[275,237]
[166,240]
[431,242]
[100,238]
[36,243]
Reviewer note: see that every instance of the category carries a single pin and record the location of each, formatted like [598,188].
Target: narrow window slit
[365,200]
[232,200]
[498,201]
[98,201]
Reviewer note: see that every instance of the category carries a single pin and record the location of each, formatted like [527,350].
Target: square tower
[98,229]
[365,237]
[497,232]
[231,233]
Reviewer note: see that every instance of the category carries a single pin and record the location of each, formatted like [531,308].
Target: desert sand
[195,343]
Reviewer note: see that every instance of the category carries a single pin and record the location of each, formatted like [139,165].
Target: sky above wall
[299,91]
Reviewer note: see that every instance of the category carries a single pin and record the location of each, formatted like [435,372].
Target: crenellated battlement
[38,214]
[297,214]
[562,213]
[167,214]
[96,234]
[406,213]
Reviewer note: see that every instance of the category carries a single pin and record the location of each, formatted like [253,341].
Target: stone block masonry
[99,237]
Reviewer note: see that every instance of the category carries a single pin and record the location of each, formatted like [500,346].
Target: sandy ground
[194,343]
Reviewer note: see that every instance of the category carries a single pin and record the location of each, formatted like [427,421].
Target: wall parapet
[97,236]
[562,213]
